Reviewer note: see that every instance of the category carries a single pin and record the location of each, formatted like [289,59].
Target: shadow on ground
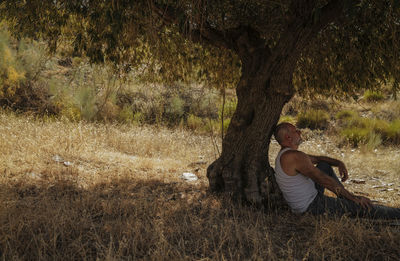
[130,219]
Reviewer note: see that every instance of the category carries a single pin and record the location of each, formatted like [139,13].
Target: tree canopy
[199,38]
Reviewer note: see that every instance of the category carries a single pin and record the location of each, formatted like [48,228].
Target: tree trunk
[243,170]
[265,86]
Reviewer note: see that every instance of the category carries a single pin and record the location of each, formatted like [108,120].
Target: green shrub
[313,119]
[356,121]
[205,105]
[349,119]
[319,104]
[226,125]
[211,126]
[126,114]
[85,99]
[138,118]
[149,103]
[108,112]
[346,114]
[229,109]
[287,118]
[22,86]
[194,122]
[373,131]
[11,73]
[71,112]
[76,61]
[205,125]
[373,140]
[373,96]
[355,136]
[370,132]
[34,58]
[392,132]
[175,106]
[377,125]
[174,110]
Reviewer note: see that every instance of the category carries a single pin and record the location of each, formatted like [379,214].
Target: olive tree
[268,49]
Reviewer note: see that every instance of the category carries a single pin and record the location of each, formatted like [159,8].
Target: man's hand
[343,171]
[363,201]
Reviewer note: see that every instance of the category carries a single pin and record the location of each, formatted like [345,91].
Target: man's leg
[322,204]
[341,206]
[384,212]
[327,169]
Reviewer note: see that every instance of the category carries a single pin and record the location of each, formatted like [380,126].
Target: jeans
[341,206]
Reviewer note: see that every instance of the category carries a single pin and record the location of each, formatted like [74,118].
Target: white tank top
[299,191]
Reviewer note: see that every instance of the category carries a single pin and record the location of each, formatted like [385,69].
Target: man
[303,184]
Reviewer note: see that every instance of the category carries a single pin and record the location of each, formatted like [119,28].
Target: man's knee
[325,167]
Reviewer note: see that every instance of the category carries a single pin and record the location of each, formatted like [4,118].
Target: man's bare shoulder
[293,154]
[291,160]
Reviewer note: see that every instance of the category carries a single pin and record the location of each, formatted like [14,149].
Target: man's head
[287,135]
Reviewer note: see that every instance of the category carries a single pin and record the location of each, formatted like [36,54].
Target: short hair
[280,130]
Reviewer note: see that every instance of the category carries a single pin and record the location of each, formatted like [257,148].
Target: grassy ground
[113,192]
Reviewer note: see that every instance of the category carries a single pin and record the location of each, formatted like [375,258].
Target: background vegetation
[54,86]
[32,80]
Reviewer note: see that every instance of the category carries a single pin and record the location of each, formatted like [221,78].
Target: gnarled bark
[243,169]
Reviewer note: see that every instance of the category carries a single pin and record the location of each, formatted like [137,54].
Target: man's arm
[304,165]
[333,162]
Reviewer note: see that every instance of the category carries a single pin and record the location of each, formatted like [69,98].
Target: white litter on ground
[67,163]
[34,175]
[59,159]
[189,176]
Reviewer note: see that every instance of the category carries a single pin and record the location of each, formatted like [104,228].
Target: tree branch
[243,40]
[306,13]
[212,36]
[306,21]
[329,13]
[300,9]
[204,31]
[247,41]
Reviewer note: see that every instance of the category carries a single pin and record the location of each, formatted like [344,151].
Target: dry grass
[122,199]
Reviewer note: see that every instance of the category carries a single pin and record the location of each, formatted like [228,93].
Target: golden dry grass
[122,199]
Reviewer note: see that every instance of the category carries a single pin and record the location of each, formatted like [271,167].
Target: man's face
[295,135]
